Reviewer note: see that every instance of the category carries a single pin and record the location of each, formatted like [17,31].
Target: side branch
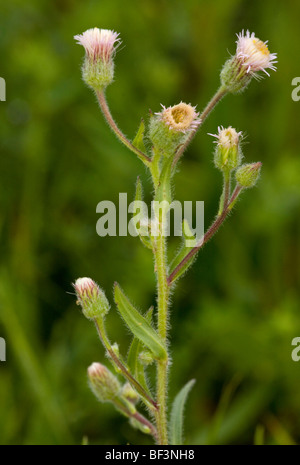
[111,122]
[123,369]
[208,235]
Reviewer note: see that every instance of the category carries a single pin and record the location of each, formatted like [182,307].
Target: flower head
[180,118]
[99,43]
[227,137]
[247,175]
[100,47]
[103,383]
[91,298]
[228,154]
[171,127]
[254,54]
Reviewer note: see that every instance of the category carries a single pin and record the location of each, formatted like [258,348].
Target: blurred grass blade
[226,397]
[176,422]
[259,435]
[278,431]
[139,325]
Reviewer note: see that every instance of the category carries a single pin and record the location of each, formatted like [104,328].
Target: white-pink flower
[254,53]
[99,43]
[227,137]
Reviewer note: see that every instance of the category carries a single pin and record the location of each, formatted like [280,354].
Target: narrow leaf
[134,364]
[139,325]
[138,141]
[176,422]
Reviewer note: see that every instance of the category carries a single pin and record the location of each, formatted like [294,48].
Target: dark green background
[236,312]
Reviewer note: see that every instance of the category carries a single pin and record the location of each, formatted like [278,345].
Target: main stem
[162,366]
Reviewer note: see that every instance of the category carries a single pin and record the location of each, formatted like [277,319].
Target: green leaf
[138,141]
[136,368]
[176,422]
[139,325]
[184,250]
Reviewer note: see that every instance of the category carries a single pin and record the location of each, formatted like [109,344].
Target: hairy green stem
[154,168]
[226,191]
[111,122]
[162,366]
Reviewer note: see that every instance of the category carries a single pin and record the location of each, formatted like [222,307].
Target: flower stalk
[113,125]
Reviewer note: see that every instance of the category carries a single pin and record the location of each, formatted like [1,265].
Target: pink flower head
[180,118]
[254,54]
[99,43]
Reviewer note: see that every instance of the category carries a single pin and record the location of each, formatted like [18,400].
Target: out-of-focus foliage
[236,312]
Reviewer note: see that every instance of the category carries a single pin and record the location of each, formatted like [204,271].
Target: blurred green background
[236,312]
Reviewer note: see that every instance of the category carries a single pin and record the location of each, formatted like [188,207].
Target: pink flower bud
[103,383]
[92,299]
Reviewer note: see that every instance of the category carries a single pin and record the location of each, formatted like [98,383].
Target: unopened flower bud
[228,154]
[129,393]
[91,298]
[171,127]
[103,383]
[100,47]
[247,175]
[252,55]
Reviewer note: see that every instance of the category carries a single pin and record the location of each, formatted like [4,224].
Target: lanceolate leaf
[176,423]
[135,366]
[139,325]
[138,141]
